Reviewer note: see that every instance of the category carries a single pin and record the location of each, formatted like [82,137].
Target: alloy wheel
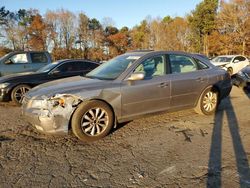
[19,93]
[209,102]
[94,121]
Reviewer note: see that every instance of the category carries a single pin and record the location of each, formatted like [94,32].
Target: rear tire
[18,92]
[208,102]
[92,121]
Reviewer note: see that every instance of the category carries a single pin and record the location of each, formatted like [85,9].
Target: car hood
[218,64]
[17,77]
[71,85]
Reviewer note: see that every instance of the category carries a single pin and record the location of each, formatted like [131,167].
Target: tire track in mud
[148,152]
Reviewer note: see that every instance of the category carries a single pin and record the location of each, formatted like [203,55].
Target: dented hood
[70,85]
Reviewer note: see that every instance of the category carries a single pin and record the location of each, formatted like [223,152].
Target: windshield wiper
[92,77]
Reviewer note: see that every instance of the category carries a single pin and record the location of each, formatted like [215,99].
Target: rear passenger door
[188,78]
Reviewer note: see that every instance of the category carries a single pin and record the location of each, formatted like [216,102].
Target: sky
[124,13]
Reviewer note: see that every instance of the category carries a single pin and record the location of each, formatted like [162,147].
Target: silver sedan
[126,87]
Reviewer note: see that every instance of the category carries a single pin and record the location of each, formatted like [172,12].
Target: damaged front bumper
[52,115]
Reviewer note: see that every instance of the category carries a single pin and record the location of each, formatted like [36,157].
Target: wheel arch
[94,99]
[199,108]
[215,87]
[110,106]
[15,86]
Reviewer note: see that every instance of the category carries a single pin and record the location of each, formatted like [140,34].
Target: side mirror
[136,76]
[8,61]
[236,61]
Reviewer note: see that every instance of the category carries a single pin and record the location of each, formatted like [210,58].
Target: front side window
[48,67]
[67,67]
[182,64]
[86,66]
[152,67]
[38,58]
[19,58]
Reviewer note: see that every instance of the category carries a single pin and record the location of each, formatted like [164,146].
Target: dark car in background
[242,78]
[13,87]
[124,88]
[23,61]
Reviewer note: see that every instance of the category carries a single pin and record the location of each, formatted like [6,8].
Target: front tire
[18,92]
[208,102]
[92,120]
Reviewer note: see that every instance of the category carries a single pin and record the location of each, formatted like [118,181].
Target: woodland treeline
[214,27]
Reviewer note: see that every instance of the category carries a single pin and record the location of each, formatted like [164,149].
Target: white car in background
[231,63]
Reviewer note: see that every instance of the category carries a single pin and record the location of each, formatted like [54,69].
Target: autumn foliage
[212,28]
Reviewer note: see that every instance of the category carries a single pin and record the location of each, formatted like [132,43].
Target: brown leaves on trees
[37,33]
[208,29]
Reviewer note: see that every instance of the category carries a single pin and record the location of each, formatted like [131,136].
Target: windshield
[1,58]
[48,67]
[113,68]
[222,59]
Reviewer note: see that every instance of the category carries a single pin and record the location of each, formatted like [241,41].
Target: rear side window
[201,65]
[182,64]
[38,58]
[19,58]
[86,66]
[240,58]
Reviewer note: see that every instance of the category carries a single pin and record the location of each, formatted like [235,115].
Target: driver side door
[152,94]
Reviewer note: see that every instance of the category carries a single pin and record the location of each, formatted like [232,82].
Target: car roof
[144,52]
[69,60]
[156,52]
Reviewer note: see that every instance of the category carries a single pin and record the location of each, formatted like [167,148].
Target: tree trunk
[243,47]
[205,45]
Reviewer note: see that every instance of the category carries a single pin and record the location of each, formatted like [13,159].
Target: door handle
[163,85]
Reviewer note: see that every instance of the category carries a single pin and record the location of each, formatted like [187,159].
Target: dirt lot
[180,149]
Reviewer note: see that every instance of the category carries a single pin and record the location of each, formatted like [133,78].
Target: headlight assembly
[59,102]
[4,85]
[39,104]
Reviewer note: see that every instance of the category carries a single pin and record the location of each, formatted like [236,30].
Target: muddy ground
[181,149]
